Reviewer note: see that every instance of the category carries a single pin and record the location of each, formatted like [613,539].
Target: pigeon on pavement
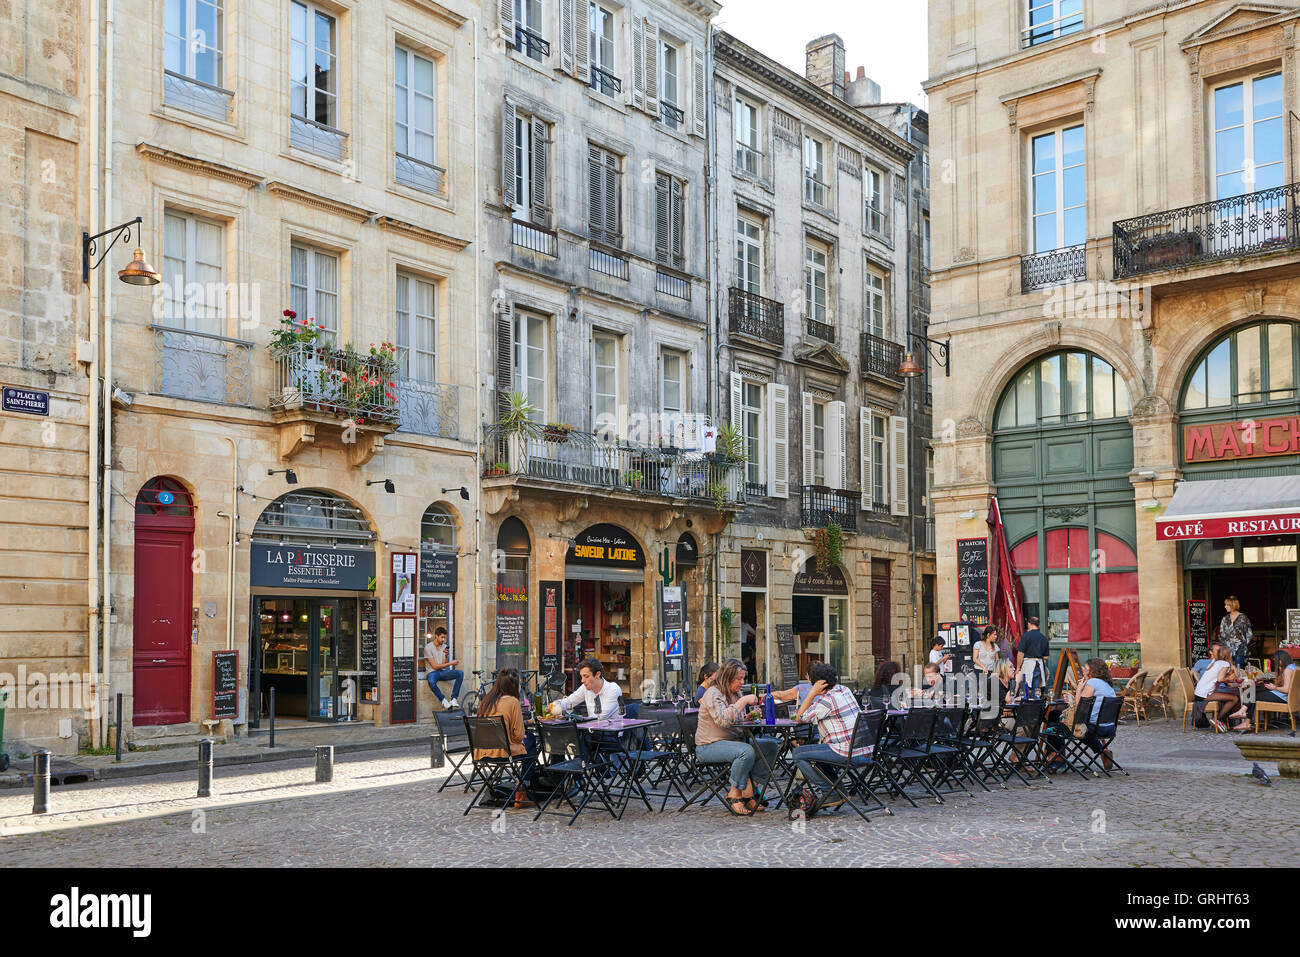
[1259,774]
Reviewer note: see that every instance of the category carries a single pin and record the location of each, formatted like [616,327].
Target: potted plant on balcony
[730,447]
[497,469]
[517,425]
[633,478]
[294,342]
[557,431]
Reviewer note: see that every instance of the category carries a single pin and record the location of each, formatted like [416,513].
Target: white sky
[885,36]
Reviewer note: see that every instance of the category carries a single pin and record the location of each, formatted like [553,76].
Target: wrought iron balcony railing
[318,378]
[672,283]
[752,315]
[611,262]
[671,116]
[748,159]
[820,330]
[201,367]
[821,505]
[1250,224]
[881,357]
[589,461]
[877,221]
[534,238]
[602,81]
[531,44]
[1053,268]
[815,191]
[428,408]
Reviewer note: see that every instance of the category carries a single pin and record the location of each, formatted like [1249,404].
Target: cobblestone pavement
[381,810]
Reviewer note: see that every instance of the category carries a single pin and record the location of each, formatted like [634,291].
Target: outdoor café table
[608,738]
[785,729]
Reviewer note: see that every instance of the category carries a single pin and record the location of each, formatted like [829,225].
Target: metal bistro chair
[857,772]
[573,778]
[949,746]
[1082,758]
[910,755]
[1025,739]
[714,778]
[982,749]
[658,755]
[489,734]
[450,723]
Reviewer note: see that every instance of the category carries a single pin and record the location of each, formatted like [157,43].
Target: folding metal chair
[856,772]
[658,756]
[489,734]
[911,754]
[714,779]
[449,723]
[949,756]
[573,778]
[1025,740]
[1081,757]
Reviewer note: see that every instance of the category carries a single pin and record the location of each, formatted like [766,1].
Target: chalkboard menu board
[1293,626]
[512,618]
[973,579]
[403,682]
[369,649]
[225,685]
[1198,629]
[789,658]
[548,626]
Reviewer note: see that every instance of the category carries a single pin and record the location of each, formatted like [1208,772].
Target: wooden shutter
[835,445]
[737,396]
[613,201]
[568,36]
[638,63]
[699,88]
[778,430]
[505,358]
[898,463]
[541,184]
[864,469]
[582,41]
[508,116]
[677,224]
[595,193]
[651,57]
[663,206]
[506,20]
[808,439]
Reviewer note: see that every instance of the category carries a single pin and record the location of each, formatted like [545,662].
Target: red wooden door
[161,632]
[880,644]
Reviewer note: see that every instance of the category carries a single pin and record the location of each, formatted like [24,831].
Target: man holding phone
[442,669]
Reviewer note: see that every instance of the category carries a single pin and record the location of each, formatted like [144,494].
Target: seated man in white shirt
[600,696]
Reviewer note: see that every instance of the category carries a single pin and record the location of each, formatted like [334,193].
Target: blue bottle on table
[769,707]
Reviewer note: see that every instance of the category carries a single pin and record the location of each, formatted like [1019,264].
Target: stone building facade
[342,192]
[47,334]
[814,301]
[1114,253]
[596,255]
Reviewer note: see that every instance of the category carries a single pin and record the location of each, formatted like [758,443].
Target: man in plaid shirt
[834,709]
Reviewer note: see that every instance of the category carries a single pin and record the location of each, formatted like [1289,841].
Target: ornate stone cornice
[1270,15]
[307,198]
[743,57]
[195,164]
[430,236]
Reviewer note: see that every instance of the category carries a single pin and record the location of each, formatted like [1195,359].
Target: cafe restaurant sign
[1234,526]
[606,546]
[1246,439]
[290,566]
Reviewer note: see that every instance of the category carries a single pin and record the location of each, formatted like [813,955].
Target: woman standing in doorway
[1234,631]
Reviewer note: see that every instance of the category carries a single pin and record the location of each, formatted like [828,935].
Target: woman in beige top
[718,742]
[502,701]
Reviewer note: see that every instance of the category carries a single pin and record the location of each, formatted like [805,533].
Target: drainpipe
[711,333]
[478,371]
[106,400]
[95,618]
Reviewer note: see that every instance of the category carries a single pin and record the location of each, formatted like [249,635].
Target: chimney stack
[862,91]
[825,64]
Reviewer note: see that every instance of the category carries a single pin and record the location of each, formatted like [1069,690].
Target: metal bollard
[324,763]
[436,760]
[272,744]
[41,781]
[205,768]
[118,736]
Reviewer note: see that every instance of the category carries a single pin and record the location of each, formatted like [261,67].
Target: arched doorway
[604,593]
[821,612]
[439,576]
[312,578]
[1239,419]
[163,615]
[515,546]
[1062,454]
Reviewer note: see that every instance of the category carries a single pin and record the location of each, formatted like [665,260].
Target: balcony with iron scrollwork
[201,367]
[1252,224]
[880,357]
[1055,267]
[820,505]
[428,408]
[752,315]
[820,330]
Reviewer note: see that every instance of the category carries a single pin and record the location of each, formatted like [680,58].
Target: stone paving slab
[383,810]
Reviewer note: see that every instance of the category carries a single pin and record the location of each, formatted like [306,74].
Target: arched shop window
[314,517]
[1062,572]
[438,529]
[1252,366]
[1062,388]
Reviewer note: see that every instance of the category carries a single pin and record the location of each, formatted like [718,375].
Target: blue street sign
[26,400]
[673,638]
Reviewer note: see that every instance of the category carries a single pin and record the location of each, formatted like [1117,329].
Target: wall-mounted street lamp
[937,350]
[464,492]
[389,487]
[290,475]
[138,272]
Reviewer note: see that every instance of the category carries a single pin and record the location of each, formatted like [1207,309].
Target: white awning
[1232,508]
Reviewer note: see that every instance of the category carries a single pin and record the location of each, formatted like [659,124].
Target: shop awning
[1232,508]
[594,573]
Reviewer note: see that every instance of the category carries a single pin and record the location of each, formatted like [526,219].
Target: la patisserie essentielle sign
[297,566]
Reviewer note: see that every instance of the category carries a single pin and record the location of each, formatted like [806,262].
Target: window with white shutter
[778,424]
[670,221]
[879,462]
[527,34]
[836,445]
[604,196]
[526,153]
[601,46]
[699,80]
[865,472]
[898,437]
[807,439]
[753,433]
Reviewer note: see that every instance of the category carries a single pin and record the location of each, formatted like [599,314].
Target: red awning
[1232,508]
